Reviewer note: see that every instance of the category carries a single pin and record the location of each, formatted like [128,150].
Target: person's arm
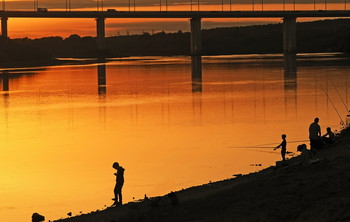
[319,131]
[278,146]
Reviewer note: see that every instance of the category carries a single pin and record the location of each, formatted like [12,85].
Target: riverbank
[285,193]
[303,59]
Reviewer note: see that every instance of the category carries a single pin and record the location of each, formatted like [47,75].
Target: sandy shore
[320,192]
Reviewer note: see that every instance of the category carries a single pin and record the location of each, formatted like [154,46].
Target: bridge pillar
[196,50]
[196,40]
[289,36]
[100,29]
[4,34]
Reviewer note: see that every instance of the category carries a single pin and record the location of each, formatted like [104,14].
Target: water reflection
[196,64]
[5,81]
[290,72]
[101,76]
[170,127]
[290,83]
[5,89]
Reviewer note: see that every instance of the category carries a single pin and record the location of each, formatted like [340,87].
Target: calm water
[60,132]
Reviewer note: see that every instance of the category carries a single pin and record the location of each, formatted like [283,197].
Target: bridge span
[175,14]
[289,20]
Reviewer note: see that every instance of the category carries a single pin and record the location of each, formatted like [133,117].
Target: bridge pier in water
[4,34]
[196,54]
[100,37]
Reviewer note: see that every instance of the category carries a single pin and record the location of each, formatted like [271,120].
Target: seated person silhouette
[306,156]
[330,139]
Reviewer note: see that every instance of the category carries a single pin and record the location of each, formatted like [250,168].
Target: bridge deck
[175,14]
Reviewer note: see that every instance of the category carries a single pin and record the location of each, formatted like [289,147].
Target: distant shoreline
[240,58]
[311,37]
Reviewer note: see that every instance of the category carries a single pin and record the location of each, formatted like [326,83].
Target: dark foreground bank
[319,192]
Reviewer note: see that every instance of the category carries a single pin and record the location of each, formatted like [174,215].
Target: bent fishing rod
[341,119]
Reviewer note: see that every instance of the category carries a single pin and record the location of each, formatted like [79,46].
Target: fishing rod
[251,147]
[293,141]
[341,98]
[266,144]
[341,119]
[264,151]
[255,147]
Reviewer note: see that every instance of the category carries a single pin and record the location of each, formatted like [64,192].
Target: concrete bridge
[289,23]
[289,20]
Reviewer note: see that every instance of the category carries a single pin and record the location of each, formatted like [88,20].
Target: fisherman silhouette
[315,136]
[306,156]
[330,139]
[284,147]
[118,200]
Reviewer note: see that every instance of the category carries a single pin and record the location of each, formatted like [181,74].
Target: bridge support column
[196,51]
[196,40]
[289,36]
[4,34]
[100,29]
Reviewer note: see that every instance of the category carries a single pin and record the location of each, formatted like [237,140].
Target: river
[60,131]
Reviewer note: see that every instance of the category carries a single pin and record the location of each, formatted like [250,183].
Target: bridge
[289,23]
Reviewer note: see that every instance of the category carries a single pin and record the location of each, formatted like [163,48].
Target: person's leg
[120,196]
[320,144]
[283,153]
[313,147]
[116,193]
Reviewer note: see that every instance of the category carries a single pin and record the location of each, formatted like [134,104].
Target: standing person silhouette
[118,200]
[315,136]
[284,147]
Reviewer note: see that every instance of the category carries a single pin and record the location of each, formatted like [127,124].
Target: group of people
[317,140]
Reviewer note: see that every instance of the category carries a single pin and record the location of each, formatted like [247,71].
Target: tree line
[318,36]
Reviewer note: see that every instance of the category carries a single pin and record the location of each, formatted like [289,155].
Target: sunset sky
[35,28]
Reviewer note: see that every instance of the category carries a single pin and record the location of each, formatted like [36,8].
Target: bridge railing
[176,5]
